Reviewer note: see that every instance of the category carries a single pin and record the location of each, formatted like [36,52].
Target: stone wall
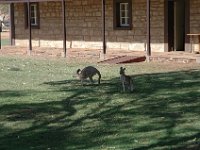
[84,26]
[195,22]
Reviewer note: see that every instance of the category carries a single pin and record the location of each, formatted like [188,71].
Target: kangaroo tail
[132,85]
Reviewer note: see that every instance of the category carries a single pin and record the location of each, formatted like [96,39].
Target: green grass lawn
[4,42]
[42,107]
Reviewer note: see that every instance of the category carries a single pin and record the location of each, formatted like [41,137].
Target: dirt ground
[93,55]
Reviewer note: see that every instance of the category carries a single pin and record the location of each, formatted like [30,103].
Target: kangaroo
[88,72]
[127,82]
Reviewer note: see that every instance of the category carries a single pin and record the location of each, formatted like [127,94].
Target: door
[170,25]
[179,23]
[176,25]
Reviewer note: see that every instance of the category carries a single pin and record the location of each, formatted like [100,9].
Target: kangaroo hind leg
[91,80]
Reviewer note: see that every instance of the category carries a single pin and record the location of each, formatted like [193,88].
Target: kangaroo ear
[78,71]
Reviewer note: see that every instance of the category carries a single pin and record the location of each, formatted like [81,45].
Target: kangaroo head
[122,70]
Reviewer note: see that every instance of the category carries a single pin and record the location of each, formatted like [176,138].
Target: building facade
[125,24]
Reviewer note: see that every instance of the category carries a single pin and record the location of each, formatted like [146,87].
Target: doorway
[176,25]
[170,25]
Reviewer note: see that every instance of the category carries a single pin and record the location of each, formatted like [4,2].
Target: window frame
[117,14]
[36,13]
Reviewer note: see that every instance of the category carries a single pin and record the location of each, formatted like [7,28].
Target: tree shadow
[11,93]
[162,113]
[60,82]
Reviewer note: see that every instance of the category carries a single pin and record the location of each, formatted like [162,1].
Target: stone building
[125,24]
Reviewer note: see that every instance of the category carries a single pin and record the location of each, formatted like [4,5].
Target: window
[124,17]
[122,14]
[34,15]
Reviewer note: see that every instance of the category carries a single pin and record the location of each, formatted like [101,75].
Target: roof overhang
[25,1]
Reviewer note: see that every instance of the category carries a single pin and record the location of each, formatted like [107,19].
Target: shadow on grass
[9,93]
[162,113]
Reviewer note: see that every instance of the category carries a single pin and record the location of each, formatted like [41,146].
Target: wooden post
[0,32]
[29,27]
[103,27]
[64,29]
[12,27]
[148,31]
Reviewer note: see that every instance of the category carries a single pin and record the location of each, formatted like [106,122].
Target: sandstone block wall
[195,23]
[84,26]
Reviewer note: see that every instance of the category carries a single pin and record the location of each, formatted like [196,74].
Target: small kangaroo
[127,82]
[88,72]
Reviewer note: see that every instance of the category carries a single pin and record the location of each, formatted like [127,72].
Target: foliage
[4,10]
[4,17]
[44,107]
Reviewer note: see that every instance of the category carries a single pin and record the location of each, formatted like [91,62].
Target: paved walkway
[95,54]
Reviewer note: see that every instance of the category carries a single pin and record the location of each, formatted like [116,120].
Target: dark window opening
[122,14]
[34,15]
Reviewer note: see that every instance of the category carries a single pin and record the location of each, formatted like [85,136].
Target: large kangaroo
[88,72]
[127,82]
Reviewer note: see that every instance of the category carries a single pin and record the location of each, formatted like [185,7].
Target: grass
[4,42]
[5,38]
[42,107]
